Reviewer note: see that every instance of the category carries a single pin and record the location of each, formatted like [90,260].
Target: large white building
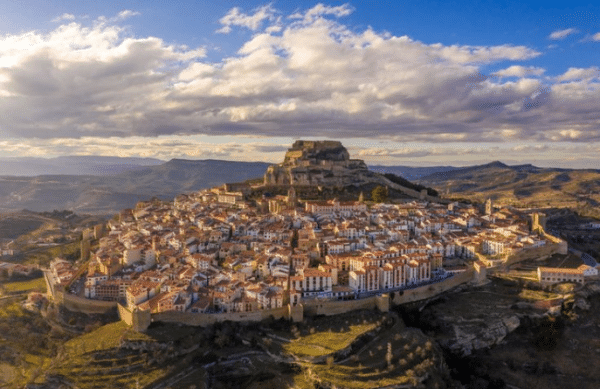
[313,283]
[334,206]
[553,275]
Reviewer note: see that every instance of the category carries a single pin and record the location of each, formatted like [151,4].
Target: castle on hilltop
[313,163]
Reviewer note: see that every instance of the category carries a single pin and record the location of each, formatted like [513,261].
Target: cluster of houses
[8,269]
[203,252]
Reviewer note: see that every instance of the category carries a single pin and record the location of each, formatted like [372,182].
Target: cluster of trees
[380,194]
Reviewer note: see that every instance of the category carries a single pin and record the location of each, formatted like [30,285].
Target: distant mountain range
[523,185]
[105,185]
[109,193]
[72,165]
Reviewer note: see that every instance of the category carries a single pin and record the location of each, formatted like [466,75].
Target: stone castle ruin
[314,163]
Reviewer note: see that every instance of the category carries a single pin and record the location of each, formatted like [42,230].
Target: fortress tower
[313,163]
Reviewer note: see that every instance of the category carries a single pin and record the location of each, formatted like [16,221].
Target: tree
[294,239]
[379,194]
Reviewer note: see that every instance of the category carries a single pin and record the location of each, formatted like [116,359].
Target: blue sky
[414,82]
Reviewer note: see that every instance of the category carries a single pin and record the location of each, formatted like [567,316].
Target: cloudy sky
[399,83]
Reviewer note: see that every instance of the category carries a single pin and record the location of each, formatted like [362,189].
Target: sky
[418,83]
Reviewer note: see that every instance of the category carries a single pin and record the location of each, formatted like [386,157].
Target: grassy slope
[326,342]
[34,285]
[520,186]
[27,345]
[367,364]
[95,360]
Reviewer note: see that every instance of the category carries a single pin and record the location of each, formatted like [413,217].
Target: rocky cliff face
[314,163]
[328,164]
[472,319]
[552,349]
[474,334]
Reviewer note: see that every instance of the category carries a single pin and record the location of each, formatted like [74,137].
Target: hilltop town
[218,251]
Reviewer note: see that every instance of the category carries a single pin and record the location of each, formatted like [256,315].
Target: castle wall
[204,319]
[125,314]
[329,308]
[428,291]
[140,320]
[83,305]
[414,193]
[538,253]
[76,303]
[383,302]
[296,312]
[49,284]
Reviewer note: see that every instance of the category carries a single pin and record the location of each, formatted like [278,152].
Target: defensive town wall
[49,284]
[413,193]
[75,303]
[428,291]
[204,319]
[329,308]
[538,253]
[140,320]
[83,305]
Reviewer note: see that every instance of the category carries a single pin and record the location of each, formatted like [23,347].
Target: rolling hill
[521,185]
[125,181]
[73,165]
[110,193]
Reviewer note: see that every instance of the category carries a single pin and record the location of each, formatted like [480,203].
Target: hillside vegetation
[522,185]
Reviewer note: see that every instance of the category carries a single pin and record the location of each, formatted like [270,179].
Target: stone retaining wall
[428,291]
[538,253]
[204,319]
[83,305]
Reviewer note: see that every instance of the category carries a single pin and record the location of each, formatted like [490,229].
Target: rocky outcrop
[475,334]
[314,163]
[328,164]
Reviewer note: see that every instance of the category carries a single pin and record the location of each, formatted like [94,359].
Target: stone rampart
[75,303]
[125,314]
[296,312]
[413,193]
[204,319]
[83,305]
[313,308]
[329,308]
[538,253]
[49,284]
[138,320]
[428,291]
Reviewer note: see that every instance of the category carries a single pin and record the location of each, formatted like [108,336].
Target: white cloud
[321,10]
[125,14]
[63,17]
[315,77]
[162,147]
[580,74]
[235,17]
[596,37]
[519,71]
[62,82]
[562,34]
